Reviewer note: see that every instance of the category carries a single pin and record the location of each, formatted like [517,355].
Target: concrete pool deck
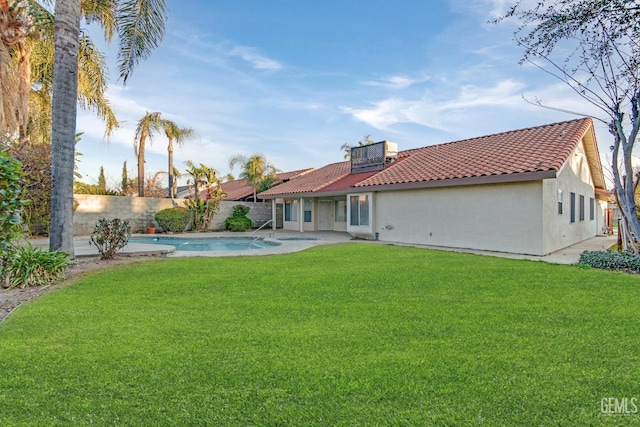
[289,242]
[292,241]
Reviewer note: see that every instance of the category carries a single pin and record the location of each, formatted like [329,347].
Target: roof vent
[373,157]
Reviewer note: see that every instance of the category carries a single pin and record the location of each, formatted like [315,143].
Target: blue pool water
[207,243]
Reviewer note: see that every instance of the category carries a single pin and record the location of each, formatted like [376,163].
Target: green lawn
[354,334]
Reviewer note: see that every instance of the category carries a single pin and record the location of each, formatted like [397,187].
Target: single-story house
[528,191]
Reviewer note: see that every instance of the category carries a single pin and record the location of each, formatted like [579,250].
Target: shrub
[29,266]
[110,235]
[36,165]
[12,204]
[238,221]
[174,220]
[240,210]
[611,260]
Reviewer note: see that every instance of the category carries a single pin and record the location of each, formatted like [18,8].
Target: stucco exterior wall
[498,217]
[574,177]
[141,210]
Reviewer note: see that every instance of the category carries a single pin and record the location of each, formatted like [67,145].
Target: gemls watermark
[619,405]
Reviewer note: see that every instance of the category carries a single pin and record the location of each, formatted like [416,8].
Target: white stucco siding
[497,217]
[574,177]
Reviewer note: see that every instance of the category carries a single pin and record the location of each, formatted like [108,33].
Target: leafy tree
[255,169]
[154,186]
[139,25]
[36,165]
[178,135]
[80,187]
[592,46]
[347,147]
[124,182]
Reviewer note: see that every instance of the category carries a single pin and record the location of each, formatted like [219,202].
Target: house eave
[456,182]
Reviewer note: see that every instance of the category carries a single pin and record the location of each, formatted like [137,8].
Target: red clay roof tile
[240,188]
[538,149]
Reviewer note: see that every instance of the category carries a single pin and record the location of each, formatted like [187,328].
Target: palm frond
[141,26]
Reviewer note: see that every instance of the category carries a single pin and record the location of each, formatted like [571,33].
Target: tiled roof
[311,181]
[240,188]
[236,189]
[538,149]
[286,176]
[542,149]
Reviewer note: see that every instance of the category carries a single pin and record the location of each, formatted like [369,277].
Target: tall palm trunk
[140,153]
[63,130]
[172,193]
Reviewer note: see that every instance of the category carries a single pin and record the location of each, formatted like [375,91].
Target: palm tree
[255,169]
[147,125]
[203,209]
[15,28]
[63,128]
[140,27]
[173,188]
[347,147]
[26,72]
[198,176]
[178,135]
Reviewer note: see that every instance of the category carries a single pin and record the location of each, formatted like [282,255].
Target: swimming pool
[208,244]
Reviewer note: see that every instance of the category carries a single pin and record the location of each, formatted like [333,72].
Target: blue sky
[294,80]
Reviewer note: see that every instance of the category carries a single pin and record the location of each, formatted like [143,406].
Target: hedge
[174,220]
[611,260]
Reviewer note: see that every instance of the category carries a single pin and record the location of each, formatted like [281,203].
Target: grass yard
[354,334]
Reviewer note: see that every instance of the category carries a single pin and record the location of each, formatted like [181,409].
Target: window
[572,206]
[341,211]
[592,209]
[560,199]
[307,210]
[359,210]
[291,210]
[581,207]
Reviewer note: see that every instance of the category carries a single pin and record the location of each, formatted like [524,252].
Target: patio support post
[301,215]
[274,214]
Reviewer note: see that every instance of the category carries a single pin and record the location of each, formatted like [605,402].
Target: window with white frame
[560,200]
[291,210]
[359,207]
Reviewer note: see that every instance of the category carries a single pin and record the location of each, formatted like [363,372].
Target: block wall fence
[140,211]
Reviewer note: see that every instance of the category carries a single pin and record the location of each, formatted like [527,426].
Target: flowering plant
[110,235]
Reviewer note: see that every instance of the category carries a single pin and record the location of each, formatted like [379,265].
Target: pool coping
[292,242]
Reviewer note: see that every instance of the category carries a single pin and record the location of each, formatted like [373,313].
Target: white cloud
[253,57]
[428,111]
[396,82]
